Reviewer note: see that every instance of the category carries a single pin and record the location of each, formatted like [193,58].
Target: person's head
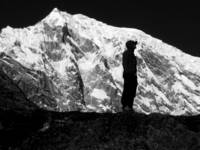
[131,45]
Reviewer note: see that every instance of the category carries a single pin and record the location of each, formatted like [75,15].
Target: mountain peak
[56,17]
[55,10]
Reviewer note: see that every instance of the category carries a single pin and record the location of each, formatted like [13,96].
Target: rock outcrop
[74,63]
[12,97]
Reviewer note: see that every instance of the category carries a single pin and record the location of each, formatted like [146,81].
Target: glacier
[74,63]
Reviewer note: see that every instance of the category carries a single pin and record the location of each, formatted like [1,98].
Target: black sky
[175,23]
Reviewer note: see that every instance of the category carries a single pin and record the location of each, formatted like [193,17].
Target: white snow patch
[179,88]
[111,84]
[188,82]
[87,64]
[91,107]
[160,96]
[66,103]
[105,108]
[30,56]
[99,94]
[117,73]
[178,112]
[145,101]
[60,66]
[163,109]
[109,51]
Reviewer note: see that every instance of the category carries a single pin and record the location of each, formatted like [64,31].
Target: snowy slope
[72,62]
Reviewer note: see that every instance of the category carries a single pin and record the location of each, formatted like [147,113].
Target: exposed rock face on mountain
[72,62]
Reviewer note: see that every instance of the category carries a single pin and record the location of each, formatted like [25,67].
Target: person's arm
[124,61]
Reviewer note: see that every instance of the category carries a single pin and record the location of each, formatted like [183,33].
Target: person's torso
[130,65]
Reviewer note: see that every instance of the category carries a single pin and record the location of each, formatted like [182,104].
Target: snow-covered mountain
[72,62]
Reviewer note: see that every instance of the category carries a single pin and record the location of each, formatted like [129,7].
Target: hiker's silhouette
[130,78]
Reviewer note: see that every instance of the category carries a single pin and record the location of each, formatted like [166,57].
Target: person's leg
[127,90]
[130,93]
[125,93]
[132,90]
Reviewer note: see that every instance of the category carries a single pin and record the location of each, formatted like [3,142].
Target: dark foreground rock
[74,130]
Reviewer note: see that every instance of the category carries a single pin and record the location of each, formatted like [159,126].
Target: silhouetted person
[130,77]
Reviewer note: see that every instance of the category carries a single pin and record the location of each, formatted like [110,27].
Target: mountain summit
[74,63]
